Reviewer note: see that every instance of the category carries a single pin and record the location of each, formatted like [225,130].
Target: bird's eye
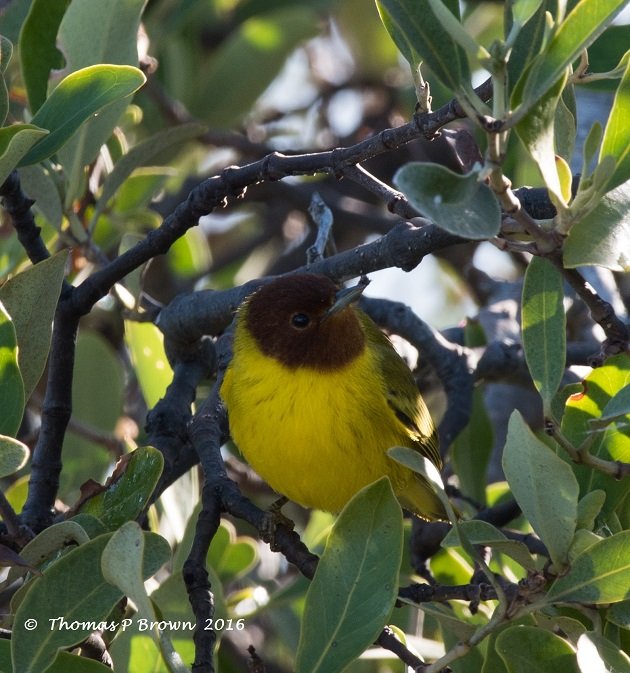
[300,320]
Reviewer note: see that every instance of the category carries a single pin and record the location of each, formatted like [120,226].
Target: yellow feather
[317,437]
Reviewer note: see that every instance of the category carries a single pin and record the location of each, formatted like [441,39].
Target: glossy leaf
[38,51]
[544,327]
[526,648]
[75,589]
[75,99]
[599,575]
[356,575]
[421,37]
[616,141]
[460,204]
[39,286]
[582,26]
[131,487]
[11,385]
[600,238]
[90,34]
[16,141]
[541,483]
[146,345]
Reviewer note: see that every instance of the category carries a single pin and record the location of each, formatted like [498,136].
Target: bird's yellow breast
[316,437]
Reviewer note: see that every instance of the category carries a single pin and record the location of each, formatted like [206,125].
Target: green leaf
[11,385]
[591,144]
[121,564]
[617,409]
[140,155]
[90,34]
[39,286]
[527,45]
[356,575]
[471,450]
[49,544]
[543,485]
[97,401]
[39,184]
[6,51]
[601,238]
[599,575]
[90,524]
[146,346]
[231,556]
[456,30]
[129,490]
[421,37]
[64,663]
[536,132]
[527,648]
[564,129]
[619,614]
[460,204]
[75,99]
[616,141]
[483,533]
[248,61]
[15,141]
[589,508]
[582,26]
[598,654]
[13,455]
[544,327]
[599,387]
[524,10]
[38,51]
[75,589]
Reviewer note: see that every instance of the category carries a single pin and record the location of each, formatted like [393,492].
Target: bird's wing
[403,395]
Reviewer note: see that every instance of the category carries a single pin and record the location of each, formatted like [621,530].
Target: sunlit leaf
[75,99]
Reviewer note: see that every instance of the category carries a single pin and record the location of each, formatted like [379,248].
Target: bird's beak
[344,298]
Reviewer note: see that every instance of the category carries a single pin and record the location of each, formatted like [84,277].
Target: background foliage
[138,173]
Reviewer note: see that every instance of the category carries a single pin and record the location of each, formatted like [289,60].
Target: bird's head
[305,320]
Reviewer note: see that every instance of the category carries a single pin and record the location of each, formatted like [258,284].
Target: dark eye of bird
[300,320]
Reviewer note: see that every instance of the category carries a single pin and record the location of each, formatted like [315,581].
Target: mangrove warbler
[316,394]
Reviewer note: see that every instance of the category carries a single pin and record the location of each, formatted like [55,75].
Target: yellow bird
[316,394]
